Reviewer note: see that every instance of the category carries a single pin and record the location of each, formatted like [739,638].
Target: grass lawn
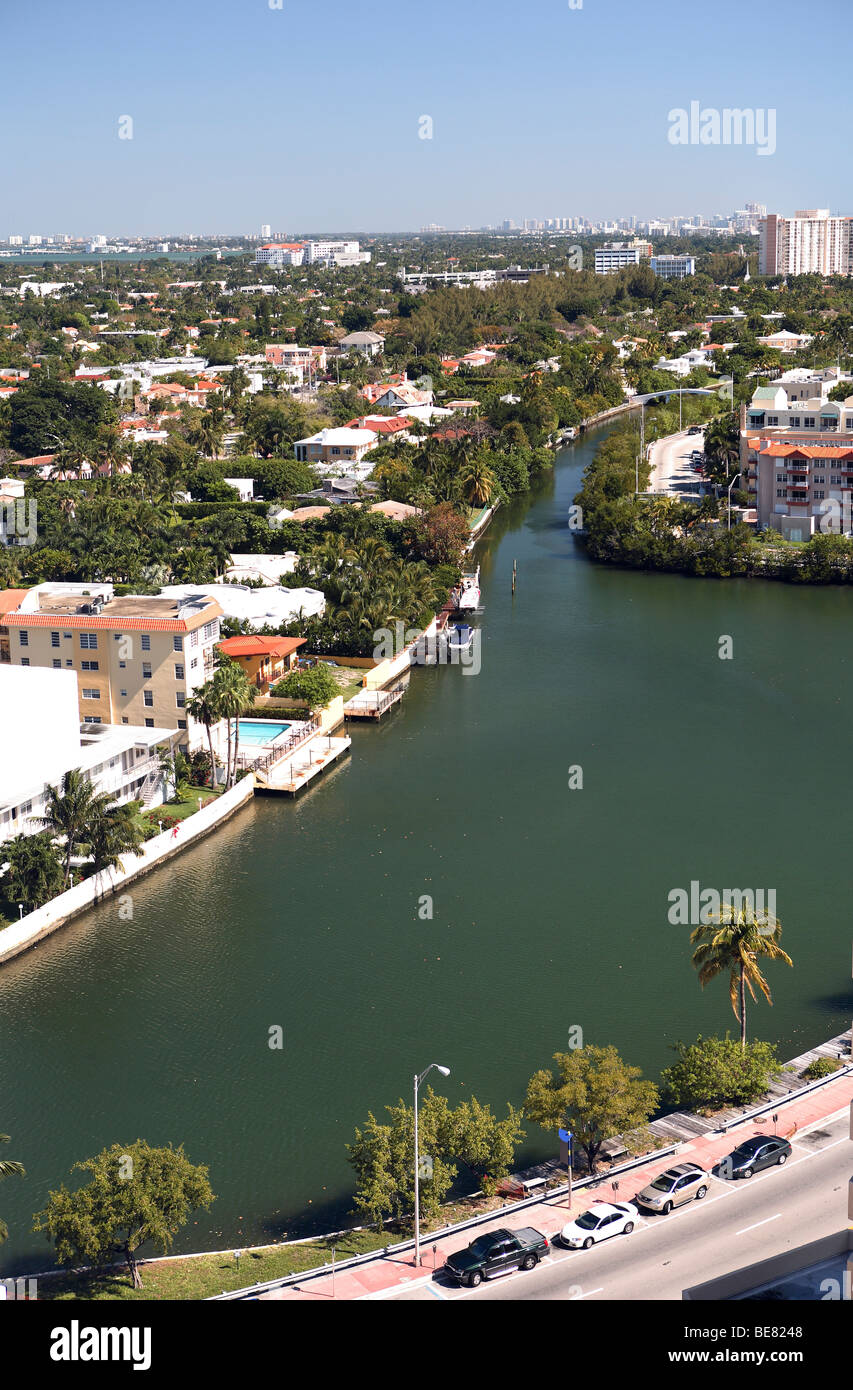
[206,1275]
[179,810]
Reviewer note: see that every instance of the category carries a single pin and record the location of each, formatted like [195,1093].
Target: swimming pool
[260,731]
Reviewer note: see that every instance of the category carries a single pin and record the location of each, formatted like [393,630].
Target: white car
[603,1219]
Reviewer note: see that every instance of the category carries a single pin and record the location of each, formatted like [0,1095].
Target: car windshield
[587,1222]
[748,1149]
[663,1183]
[482,1247]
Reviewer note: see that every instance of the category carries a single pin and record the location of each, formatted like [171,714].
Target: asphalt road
[672,473]
[739,1223]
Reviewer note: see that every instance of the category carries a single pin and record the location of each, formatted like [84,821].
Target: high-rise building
[615,255]
[265,229]
[810,242]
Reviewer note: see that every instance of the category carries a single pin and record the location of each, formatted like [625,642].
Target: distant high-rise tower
[265,229]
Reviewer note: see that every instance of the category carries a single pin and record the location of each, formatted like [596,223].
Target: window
[116,636]
[772,419]
[124,719]
[122,665]
[147,698]
[180,699]
[25,661]
[194,638]
[211,630]
[818,496]
[179,673]
[149,723]
[25,638]
[177,644]
[146,670]
[794,421]
[54,639]
[780,492]
[67,636]
[124,693]
[89,665]
[68,663]
[92,719]
[808,422]
[182,723]
[146,642]
[89,641]
[90,693]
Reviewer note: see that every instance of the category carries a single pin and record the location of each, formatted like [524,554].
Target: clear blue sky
[244,114]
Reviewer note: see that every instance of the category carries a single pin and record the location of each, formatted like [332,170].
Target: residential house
[264,660]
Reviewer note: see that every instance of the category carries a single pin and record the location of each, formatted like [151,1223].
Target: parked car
[602,1220]
[673,1188]
[761,1151]
[499,1252]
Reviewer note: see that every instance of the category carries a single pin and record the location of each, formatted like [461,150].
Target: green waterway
[550,904]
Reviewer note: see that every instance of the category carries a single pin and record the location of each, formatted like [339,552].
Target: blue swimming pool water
[259,731]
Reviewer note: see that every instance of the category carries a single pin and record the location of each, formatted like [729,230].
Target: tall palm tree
[234,694]
[478,482]
[734,940]
[8,1169]
[203,707]
[72,811]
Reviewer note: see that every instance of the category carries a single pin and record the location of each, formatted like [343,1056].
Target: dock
[372,704]
[291,773]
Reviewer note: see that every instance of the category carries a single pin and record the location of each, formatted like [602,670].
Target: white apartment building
[810,242]
[43,739]
[335,253]
[280,253]
[616,255]
[673,267]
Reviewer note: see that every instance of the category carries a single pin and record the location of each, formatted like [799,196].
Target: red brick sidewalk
[384,1274]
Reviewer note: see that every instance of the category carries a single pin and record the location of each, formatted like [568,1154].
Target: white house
[43,739]
[335,446]
[272,606]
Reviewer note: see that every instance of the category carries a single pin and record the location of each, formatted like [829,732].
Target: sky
[309,115]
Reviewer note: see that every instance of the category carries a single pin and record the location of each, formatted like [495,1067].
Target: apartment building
[796,455]
[616,255]
[340,253]
[673,267]
[45,740]
[138,658]
[810,242]
[280,253]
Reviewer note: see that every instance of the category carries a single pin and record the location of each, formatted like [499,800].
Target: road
[737,1224]
[671,470]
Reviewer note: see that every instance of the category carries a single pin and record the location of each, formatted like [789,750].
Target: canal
[549,903]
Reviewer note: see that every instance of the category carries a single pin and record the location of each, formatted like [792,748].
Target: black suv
[761,1151]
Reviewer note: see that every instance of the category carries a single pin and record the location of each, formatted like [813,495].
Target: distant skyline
[241,115]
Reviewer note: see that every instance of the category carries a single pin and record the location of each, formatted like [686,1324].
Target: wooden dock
[372,704]
[290,774]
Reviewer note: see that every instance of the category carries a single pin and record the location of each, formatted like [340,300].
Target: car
[602,1220]
[673,1188]
[760,1151]
[696,456]
[695,429]
[499,1252]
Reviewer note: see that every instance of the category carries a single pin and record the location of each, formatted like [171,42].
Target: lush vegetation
[716,1072]
[595,1095]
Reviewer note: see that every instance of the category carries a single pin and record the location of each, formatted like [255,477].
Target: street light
[445,1071]
[731,485]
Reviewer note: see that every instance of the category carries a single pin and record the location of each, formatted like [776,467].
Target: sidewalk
[385,1275]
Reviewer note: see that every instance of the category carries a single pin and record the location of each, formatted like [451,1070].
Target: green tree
[137,1194]
[71,811]
[9,1168]
[383,1156]
[314,684]
[113,832]
[34,875]
[716,1072]
[233,693]
[595,1095]
[485,1144]
[734,940]
[203,707]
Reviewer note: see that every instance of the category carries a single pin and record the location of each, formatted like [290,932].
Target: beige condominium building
[811,241]
[796,455]
[138,658]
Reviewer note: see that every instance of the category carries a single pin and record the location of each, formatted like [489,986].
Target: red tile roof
[261,646]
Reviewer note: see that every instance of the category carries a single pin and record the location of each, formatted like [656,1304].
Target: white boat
[468,593]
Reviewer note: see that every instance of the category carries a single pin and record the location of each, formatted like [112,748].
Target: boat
[467,595]
[460,638]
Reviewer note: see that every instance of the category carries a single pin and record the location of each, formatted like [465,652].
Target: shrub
[715,1072]
[821,1066]
[315,685]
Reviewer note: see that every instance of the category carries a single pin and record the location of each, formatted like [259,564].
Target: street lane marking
[579,1296]
[758,1223]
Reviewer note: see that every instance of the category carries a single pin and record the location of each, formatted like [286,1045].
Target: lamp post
[445,1071]
[731,485]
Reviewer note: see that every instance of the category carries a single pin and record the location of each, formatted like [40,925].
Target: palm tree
[71,812]
[114,832]
[8,1169]
[203,707]
[478,482]
[234,694]
[735,939]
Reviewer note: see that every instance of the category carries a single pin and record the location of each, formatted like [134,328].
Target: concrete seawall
[39,924]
